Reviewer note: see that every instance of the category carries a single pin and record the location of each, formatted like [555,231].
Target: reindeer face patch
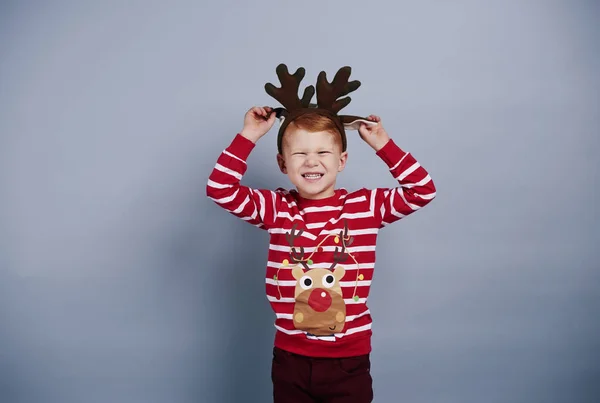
[320,309]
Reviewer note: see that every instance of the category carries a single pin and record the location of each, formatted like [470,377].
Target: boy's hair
[315,122]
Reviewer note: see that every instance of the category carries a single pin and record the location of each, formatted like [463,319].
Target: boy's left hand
[374,135]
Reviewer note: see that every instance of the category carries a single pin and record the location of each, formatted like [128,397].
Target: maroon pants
[299,379]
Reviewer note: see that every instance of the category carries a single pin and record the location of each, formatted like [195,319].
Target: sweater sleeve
[256,206]
[416,188]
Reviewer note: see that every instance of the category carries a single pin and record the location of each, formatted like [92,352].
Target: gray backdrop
[121,282]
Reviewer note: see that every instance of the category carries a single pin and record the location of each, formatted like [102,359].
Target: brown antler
[328,93]
[297,257]
[341,255]
[287,95]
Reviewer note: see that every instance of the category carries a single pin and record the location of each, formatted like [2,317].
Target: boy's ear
[281,163]
[343,160]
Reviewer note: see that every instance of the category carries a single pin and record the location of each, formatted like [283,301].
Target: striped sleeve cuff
[241,147]
[390,153]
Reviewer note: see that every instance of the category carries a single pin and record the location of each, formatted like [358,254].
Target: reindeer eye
[306,283]
[328,280]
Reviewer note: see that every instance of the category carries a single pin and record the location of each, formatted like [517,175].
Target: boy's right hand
[258,122]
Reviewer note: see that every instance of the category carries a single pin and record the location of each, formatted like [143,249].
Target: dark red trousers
[299,379]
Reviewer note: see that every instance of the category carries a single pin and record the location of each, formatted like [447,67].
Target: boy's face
[312,161]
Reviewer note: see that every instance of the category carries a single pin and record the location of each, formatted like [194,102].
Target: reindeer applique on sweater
[319,309]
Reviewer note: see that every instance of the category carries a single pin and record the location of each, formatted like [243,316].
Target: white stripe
[360,315]
[352,284]
[351,249]
[252,217]
[412,206]
[274,208]
[399,162]
[393,207]
[228,171]
[262,205]
[361,266]
[218,185]
[282,300]
[351,232]
[429,196]
[408,171]
[347,301]
[338,335]
[241,207]
[356,199]
[233,156]
[354,330]
[323,338]
[291,332]
[305,234]
[422,182]
[285,214]
[343,284]
[291,204]
[281,283]
[290,316]
[316,225]
[320,209]
[373,194]
[226,199]
[351,216]
[351,301]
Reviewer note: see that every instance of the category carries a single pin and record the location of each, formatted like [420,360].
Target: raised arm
[415,187]
[256,206]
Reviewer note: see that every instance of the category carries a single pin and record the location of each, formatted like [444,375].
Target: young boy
[322,243]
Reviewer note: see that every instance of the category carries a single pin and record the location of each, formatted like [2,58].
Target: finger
[258,113]
[362,129]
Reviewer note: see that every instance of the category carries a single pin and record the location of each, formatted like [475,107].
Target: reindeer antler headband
[327,99]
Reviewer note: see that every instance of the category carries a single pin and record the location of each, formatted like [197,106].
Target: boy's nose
[311,161]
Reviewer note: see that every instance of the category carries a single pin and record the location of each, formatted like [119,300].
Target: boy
[322,239]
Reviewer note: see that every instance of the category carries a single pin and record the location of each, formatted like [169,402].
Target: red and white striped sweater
[322,252]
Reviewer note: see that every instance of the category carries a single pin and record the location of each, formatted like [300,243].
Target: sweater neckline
[325,201]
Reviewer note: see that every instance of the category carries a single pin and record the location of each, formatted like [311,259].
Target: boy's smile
[312,161]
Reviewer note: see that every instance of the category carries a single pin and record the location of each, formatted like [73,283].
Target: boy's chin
[312,192]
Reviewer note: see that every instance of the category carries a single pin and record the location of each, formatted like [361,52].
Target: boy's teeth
[312,176]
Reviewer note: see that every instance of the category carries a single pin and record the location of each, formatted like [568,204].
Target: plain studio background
[121,282]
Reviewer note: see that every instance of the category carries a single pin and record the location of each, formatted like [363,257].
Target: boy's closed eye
[304,153]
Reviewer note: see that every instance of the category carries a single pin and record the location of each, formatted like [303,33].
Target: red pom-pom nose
[319,300]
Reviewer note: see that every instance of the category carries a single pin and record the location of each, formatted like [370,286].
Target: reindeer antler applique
[327,99]
[340,256]
[328,93]
[296,256]
[287,95]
